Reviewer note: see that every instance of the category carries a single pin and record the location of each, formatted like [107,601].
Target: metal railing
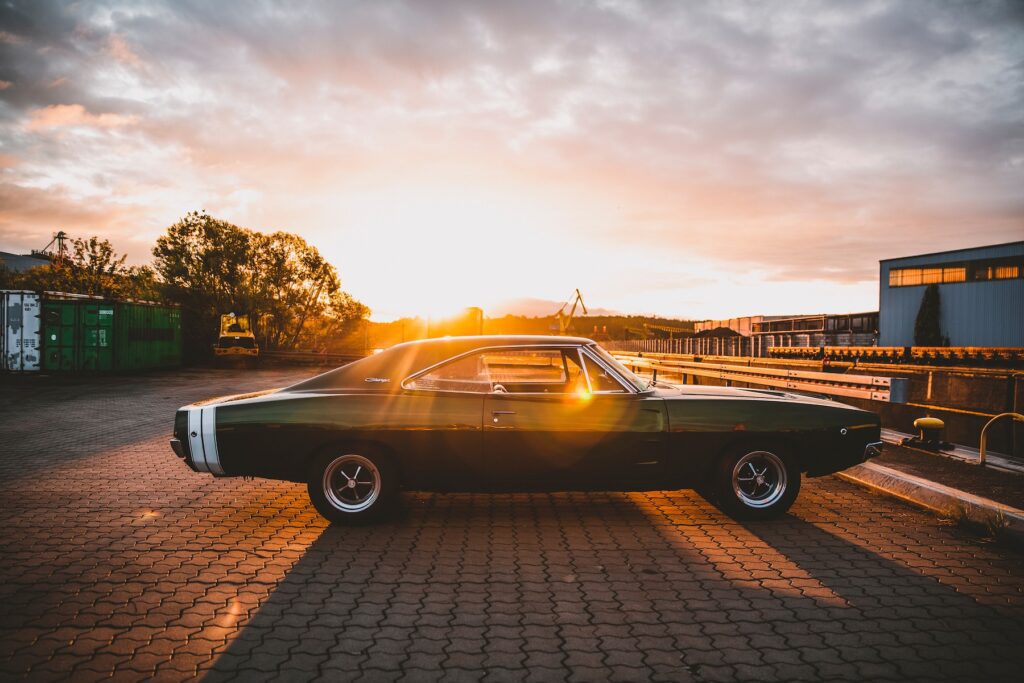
[868,387]
[777,346]
[1016,417]
[903,354]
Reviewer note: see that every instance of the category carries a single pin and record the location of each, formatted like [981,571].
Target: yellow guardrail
[869,387]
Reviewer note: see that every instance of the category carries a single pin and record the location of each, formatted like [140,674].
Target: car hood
[233,397]
[696,391]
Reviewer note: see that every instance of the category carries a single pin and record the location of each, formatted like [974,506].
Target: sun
[440,247]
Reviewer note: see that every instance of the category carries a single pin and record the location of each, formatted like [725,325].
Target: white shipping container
[20,342]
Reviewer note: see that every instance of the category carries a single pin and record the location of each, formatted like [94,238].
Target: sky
[686,159]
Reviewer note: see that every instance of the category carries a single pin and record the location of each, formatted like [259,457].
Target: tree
[291,293]
[340,319]
[928,325]
[93,267]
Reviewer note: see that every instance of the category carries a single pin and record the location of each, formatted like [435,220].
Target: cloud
[10,38]
[72,115]
[787,144]
[28,216]
[120,51]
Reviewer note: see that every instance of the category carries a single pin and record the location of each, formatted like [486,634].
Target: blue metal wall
[988,313]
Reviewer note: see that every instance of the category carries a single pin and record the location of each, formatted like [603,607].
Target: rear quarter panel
[702,429]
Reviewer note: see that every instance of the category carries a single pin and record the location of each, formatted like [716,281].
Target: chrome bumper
[872,450]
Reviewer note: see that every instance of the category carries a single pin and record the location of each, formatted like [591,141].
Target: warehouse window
[954,274]
[977,271]
[995,270]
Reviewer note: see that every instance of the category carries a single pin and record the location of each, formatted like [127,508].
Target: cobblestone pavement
[117,560]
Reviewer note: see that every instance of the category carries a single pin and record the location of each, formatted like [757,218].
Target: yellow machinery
[565,319]
[236,339]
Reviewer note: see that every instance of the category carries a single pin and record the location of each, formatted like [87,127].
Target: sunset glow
[687,160]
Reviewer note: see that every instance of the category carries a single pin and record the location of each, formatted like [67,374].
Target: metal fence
[873,388]
[696,346]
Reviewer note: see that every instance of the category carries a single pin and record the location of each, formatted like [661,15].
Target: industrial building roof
[21,262]
[1004,247]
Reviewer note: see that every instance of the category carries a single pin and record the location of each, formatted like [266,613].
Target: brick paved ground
[117,560]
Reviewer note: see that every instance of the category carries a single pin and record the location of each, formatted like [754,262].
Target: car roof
[388,368]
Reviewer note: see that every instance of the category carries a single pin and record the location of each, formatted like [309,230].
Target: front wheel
[756,483]
[351,487]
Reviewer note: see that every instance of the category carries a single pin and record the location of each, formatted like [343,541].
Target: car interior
[520,371]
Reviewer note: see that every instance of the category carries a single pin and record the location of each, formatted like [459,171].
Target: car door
[576,433]
[441,413]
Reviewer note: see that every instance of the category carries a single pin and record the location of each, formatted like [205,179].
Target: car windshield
[608,358]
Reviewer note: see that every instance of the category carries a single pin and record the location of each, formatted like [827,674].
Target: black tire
[756,482]
[352,485]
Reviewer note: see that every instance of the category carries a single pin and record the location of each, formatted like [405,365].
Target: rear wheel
[755,483]
[352,487]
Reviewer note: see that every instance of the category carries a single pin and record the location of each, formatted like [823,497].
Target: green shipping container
[96,321]
[60,329]
[148,336]
[78,335]
[84,334]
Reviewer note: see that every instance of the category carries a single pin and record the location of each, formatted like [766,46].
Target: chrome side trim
[195,439]
[210,440]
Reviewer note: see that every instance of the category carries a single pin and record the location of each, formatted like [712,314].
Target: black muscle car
[520,413]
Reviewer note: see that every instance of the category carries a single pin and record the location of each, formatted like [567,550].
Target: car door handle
[496,413]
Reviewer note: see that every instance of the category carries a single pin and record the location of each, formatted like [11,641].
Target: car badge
[377,379]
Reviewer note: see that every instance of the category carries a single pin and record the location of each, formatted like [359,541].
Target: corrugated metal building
[981,293]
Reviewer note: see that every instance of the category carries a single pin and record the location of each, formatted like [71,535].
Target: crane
[60,254]
[565,319]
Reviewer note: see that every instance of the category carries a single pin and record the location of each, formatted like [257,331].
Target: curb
[994,461]
[937,498]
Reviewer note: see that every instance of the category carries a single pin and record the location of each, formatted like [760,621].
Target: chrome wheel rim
[351,483]
[759,479]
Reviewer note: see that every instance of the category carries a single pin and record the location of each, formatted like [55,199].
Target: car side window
[468,374]
[508,371]
[601,380]
[535,371]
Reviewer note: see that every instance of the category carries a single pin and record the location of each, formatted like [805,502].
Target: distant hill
[378,335]
[537,308]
